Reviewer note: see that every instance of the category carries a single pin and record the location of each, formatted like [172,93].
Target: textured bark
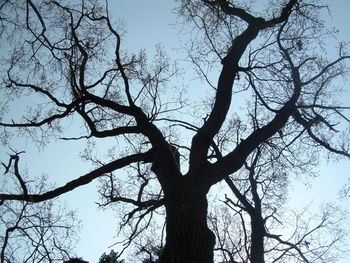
[257,247]
[189,240]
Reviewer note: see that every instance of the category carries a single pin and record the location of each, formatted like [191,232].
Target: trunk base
[189,240]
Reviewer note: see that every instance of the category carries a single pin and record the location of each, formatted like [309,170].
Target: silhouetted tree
[76,260]
[32,232]
[256,210]
[151,252]
[112,257]
[68,57]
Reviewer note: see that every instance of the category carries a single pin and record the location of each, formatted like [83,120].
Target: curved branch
[117,57]
[140,204]
[291,245]
[230,9]
[283,17]
[36,89]
[202,140]
[48,120]
[85,179]
[325,69]
[307,125]
[106,133]
[9,230]
[16,172]
[235,160]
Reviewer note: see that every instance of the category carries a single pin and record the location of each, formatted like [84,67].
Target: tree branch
[307,125]
[85,179]
[234,160]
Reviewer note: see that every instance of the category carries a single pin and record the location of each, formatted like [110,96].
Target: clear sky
[149,23]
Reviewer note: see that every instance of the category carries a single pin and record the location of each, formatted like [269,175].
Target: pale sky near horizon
[149,23]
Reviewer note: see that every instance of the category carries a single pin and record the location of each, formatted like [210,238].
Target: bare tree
[257,225]
[34,232]
[60,53]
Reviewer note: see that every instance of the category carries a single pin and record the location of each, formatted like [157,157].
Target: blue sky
[149,23]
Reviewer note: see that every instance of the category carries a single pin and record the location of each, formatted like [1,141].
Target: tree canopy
[267,110]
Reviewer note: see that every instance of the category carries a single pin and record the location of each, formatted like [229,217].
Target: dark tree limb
[15,158]
[235,160]
[202,140]
[307,125]
[85,179]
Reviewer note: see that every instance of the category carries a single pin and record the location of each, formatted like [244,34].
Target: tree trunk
[258,233]
[188,240]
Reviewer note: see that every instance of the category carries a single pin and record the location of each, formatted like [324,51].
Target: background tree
[112,257]
[76,260]
[257,205]
[33,232]
[68,58]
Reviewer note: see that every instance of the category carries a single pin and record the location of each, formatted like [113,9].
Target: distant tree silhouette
[112,257]
[152,253]
[66,60]
[76,260]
